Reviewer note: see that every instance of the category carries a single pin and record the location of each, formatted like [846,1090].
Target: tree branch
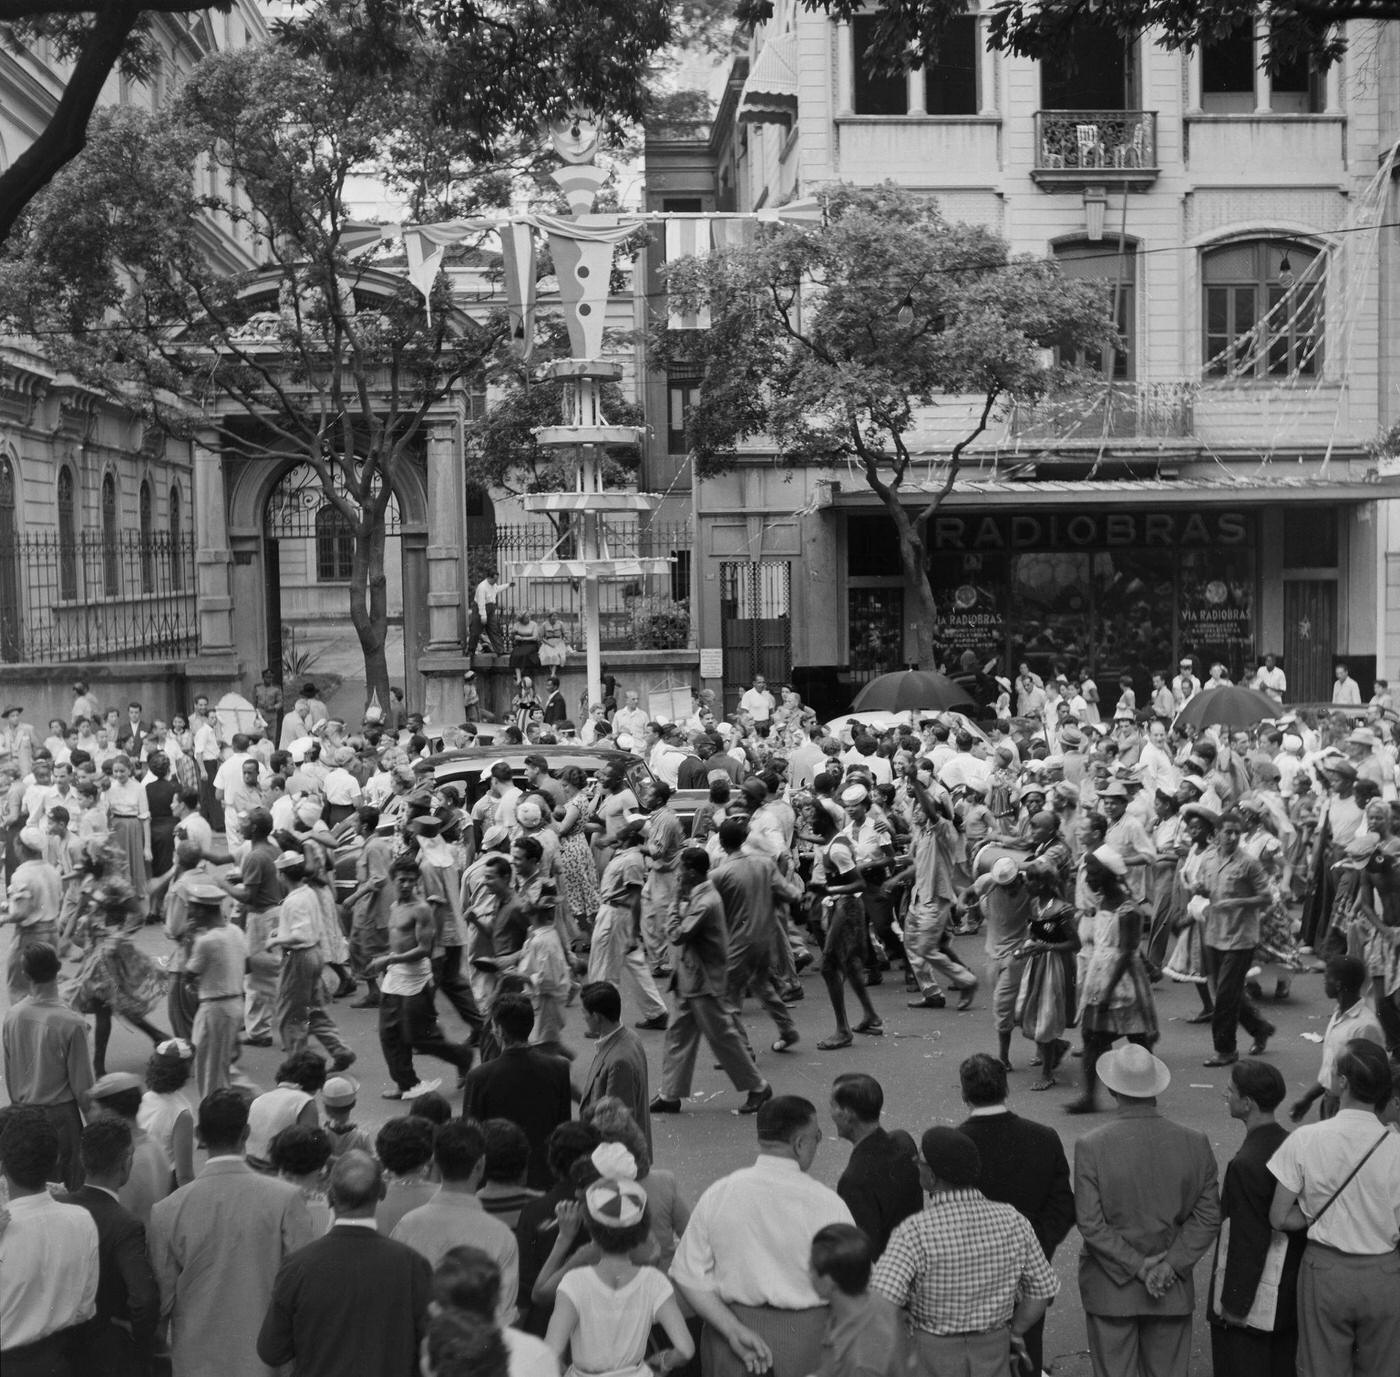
[955,461]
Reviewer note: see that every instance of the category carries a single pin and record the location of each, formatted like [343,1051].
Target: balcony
[1116,411]
[1078,148]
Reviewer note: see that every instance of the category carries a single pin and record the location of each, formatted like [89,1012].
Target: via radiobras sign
[1089,531]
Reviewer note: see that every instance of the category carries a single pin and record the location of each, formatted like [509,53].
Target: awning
[770,91]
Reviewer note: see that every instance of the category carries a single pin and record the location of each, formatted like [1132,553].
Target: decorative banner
[423,264]
[583,267]
[687,236]
[518,256]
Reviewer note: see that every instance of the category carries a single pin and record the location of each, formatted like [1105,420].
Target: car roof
[473,761]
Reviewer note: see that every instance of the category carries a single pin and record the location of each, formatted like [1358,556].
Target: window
[1297,88]
[335,547]
[67,537]
[1263,310]
[681,394]
[1095,72]
[950,84]
[476,395]
[874,94]
[682,205]
[111,556]
[177,543]
[1116,273]
[148,535]
[1227,73]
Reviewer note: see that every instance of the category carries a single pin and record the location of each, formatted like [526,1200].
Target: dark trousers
[67,1122]
[101,1348]
[50,1357]
[208,805]
[1236,1352]
[408,1024]
[491,627]
[451,983]
[1225,971]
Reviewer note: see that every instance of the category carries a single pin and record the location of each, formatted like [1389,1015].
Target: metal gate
[1309,638]
[755,624]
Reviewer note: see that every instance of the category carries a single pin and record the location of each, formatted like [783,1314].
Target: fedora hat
[1133,1071]
[1004,871]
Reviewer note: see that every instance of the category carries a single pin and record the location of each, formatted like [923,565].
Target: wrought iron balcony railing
[1084,146]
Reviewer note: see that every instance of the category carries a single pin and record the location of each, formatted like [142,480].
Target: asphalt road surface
[916,1061]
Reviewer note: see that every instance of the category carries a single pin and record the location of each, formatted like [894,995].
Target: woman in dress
[604,1313]
[524,646]
[1165,902]
[554,645]
[1268,838]
[525,704]
[1045,1003]
[1116,1000]
[843,951]
[160,804]
[577,871]
[166,1113]
[115,976]
[1187,962]
[129,822]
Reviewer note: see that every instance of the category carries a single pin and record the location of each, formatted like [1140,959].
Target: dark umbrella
[1230,706]
[912,689]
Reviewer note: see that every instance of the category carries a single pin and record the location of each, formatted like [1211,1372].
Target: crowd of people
[1094,859]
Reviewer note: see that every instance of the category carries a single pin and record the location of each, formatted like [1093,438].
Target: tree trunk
[913,556]
[369,607]
[65,134]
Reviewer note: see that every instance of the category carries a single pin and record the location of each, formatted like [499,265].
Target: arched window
[1262,306]
[67,536]
[148,540]
[335,547]
[177,544]
[111,556]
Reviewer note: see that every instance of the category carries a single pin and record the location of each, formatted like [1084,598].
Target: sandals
[1045,1084]
[835,1042]
[872,1027]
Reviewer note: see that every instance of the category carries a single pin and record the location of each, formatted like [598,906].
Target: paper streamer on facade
[518,255]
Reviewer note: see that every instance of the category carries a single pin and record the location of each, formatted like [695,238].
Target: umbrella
[912,688]
[1230,706]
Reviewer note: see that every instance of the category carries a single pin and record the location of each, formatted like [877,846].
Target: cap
[1344,769]
[952,1156]
[288,859]
[528,814]
[210,895]
[494,837]
[340,1091]
[854,794]
[1115,788]
[1111,859]
[425,826]
[113,1083]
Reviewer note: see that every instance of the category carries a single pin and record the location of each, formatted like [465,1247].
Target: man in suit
[619,1066]
[217,1245]
[1023,1164]
[120,1339]
[1147,1204]
[132,733]
[881,1182]
[352,1301]
[556,707]
[523,1084]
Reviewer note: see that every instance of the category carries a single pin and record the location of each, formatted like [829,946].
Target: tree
[494,67]
[829,343]
[910,32]
[318,356]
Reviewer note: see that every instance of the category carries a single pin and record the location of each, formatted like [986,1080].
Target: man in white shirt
[1155,762]
[742,1261]
[485,616]
[454,1217]
[1271,679]
[48,1283]
[1185,686]
[1340,1181]
[1346,691]
[630,719]
[757,701]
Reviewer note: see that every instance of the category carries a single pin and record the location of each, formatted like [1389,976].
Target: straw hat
[1133,1071]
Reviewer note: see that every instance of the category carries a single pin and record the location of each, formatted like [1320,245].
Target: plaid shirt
[960,1265]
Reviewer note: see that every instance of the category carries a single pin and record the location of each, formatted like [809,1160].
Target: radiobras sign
[1090,530]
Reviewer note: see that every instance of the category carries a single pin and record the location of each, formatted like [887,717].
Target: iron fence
[91,597]
[1095,139]
[647,612]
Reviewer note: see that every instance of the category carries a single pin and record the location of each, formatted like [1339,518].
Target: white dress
[613,1325]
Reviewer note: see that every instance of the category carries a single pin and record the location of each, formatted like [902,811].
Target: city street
[916,1062]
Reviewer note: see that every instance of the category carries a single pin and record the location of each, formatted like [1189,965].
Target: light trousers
[1348,1314]
[1139,1345]
[704,1018]
[614,954]
[924,926]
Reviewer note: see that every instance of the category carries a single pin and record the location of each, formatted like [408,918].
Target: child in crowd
[339,1096]
[863,1337]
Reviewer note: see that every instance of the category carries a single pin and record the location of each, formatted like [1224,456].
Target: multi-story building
[97,509]
[1222,496]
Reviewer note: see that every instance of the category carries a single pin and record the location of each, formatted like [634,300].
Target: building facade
[1222,495]
[97,509]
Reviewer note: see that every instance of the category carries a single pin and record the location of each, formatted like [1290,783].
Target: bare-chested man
[407,1020]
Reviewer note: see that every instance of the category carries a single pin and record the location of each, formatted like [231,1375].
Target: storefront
[1124,591]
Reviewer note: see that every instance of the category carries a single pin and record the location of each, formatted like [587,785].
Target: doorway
[755,624]
[1309,638]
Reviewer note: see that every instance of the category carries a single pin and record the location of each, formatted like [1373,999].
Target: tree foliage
[482,71]
[911,32]
[832,345]
[317,355]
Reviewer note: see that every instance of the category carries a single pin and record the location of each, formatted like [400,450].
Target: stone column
[845,70]
[446,545]
[213,555]
[415,633]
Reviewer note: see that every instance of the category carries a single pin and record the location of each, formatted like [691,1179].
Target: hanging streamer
[518,255]
[687,236]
